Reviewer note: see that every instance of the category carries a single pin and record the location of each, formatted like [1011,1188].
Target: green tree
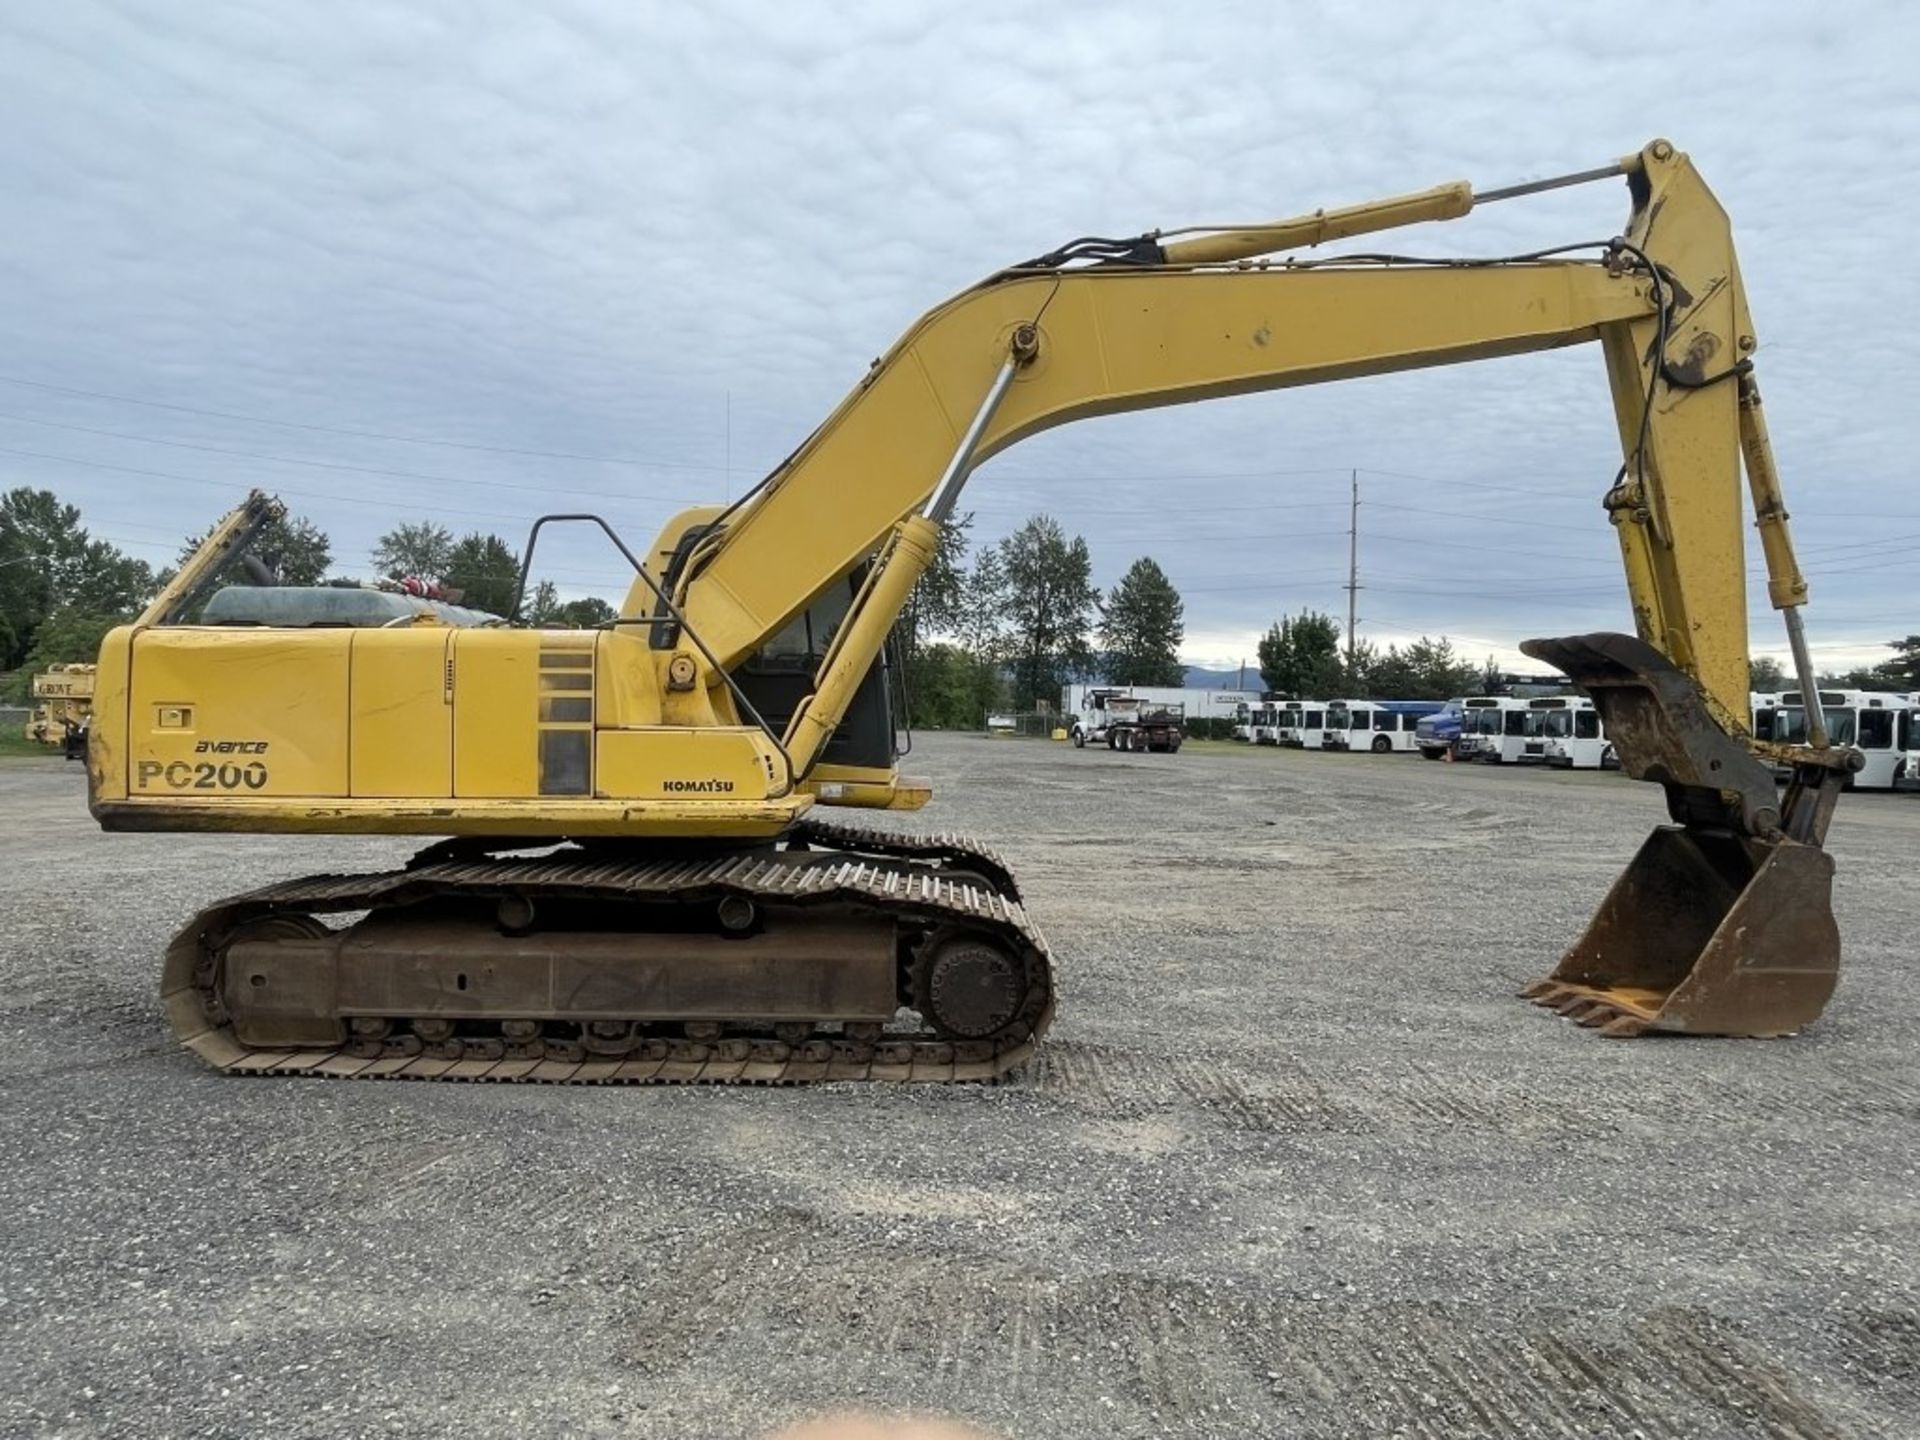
[486,572]
[65,636]
[1142,627]
[587,613]
[1300,656]
[951,689]
[980,621]
[952,635]
[1425,670]
[49,564]
[1900,674]
[1491,677]
[540,609]
[934,606]
[1766,675]
[295,549]
[423,551]
[1051,604]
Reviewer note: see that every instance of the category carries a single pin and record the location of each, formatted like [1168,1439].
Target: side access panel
[402,699]
[242,712]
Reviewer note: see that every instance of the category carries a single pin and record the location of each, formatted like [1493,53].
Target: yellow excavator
[640,883]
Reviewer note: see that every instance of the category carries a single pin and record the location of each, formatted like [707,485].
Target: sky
[471,262]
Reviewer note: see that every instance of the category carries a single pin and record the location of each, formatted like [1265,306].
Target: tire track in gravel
[1121,1083]
[1433,1372]
[1182,1357]
[1286,1095]
[1883,1347]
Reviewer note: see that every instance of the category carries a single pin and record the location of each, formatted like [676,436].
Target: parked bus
[1880,725]
[1243,722]
[1304,725]
[1376,725]
[1267,720]
[1494,728]
[1286,717]
[1763,707]
[1571,733]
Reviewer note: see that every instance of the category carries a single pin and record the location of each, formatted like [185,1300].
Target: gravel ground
[1293,1161]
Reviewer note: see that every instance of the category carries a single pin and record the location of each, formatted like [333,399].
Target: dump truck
[1131,722]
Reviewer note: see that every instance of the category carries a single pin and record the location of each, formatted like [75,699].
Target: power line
[358,434]
[334,464]
[229,487]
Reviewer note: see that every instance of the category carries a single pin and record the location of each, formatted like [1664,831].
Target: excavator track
[948,908]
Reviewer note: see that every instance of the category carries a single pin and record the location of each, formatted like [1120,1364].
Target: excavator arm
[1152,323]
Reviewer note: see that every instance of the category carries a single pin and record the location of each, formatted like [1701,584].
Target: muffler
[1723,922]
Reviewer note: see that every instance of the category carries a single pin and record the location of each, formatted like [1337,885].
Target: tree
[934,606]
[963,683]
[540,609]
[587,613]
[1425,670]
[67,635]
[1492,677]
[1766,675]
[295,549]
[48,563]
[1051,603]
[980,620]
[486,572]
[1902,672]
[950,685]
[423,551]
[1143,627]
[1300,656]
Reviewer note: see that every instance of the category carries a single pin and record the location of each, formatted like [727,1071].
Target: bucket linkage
[1723,922]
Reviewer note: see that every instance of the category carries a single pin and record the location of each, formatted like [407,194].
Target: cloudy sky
[472,261]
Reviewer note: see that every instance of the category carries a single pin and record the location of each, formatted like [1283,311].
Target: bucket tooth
[1624,1027]
[1722,924]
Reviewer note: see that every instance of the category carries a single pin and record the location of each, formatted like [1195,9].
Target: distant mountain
[1198,679]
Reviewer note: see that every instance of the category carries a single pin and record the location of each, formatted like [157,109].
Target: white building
[1201,704]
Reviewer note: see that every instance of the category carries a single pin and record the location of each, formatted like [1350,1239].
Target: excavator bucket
[1723,923]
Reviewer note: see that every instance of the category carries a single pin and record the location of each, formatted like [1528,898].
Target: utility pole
[1353,564]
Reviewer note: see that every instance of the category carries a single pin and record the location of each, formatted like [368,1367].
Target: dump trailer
[632,877]
[1139,725]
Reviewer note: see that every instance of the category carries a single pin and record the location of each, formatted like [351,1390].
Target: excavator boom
[698,914]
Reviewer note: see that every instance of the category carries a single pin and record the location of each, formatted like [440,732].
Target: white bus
[1304,725]
[1571,733]
[1762,705]
[1269,719]
[1380,726]
[1484,722]
[1880,725]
